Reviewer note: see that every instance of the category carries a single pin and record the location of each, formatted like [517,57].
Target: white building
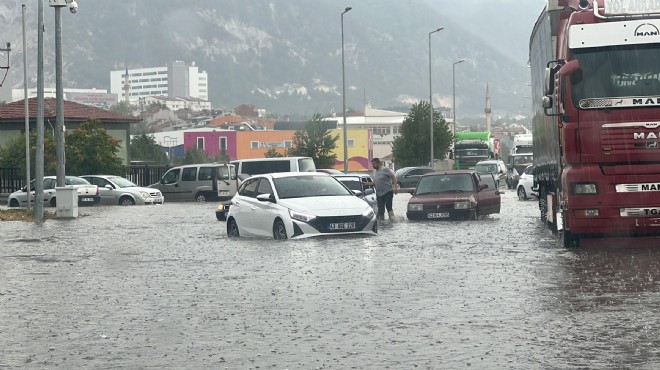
[177,79]
[96,97]
[175,104]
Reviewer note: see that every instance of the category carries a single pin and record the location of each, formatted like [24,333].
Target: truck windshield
[616,71]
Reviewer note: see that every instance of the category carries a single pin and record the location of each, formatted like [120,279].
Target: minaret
[487,110]
[127,86]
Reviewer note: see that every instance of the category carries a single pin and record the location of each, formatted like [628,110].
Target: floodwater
[158,287]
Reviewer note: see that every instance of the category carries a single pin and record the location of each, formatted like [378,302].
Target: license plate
[87,199]
[342,226]
[438,215]
[223,192]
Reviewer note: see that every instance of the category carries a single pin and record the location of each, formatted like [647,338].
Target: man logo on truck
[647,29]
[648,101]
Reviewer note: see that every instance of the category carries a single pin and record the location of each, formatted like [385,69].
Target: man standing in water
[386,186]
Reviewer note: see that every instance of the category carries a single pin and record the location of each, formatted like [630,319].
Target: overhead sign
[631,7]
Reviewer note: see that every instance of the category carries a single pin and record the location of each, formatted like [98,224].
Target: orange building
[255,144]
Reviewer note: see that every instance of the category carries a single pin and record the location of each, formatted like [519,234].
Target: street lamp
[59,90]
[431,93]
[343,90]
[453,81]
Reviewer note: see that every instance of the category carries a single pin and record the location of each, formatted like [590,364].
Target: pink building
[211,141]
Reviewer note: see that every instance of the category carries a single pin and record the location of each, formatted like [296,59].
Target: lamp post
[343,90]
[453,82]
[59,89]
[431,94]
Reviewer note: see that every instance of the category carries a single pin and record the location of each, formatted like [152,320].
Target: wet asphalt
[157,287]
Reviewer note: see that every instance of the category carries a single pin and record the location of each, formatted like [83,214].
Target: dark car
[454,195]
[407,177]
[221,211]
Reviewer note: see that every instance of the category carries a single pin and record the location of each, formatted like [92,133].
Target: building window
[200,143]
[254,144]
[351,143]
[223,143]
[287,143]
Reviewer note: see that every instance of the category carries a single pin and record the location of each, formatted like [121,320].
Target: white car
[526,184]
[116,190]
[88,194]
[298,205]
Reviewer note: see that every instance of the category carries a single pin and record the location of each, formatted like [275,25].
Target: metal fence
[12,179]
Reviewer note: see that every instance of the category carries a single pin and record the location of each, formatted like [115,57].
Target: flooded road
[163,287]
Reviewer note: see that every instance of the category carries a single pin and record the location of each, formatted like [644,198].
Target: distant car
[407,177]
[462,194]
[222,210]
[116,190]
[88,194]
[298,205]
[495,167]
[356,182]
[331,171]
[526,184]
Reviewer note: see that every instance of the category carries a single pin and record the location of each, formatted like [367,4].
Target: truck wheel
[279,230]
[568,239]
[13,203]
[200,197]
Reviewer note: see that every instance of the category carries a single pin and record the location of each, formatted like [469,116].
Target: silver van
[200,182]
[258,166]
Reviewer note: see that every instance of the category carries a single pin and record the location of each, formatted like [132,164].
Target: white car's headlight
[369,213]
[415,207]
[144,194]
[304,217]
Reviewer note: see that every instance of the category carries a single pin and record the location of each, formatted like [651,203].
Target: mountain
[282,56]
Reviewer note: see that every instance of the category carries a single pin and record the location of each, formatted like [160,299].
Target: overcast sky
[506,24]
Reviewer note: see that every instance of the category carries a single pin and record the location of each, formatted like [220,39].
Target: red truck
[595,69]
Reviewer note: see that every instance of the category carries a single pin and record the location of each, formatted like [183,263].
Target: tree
[144,148]
[195,155]
[13,153]
[91,150]
[413,147]
[122,108]
[315,141]
[273,153]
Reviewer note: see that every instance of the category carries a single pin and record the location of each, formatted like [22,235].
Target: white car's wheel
[279,230]
[126,201]
[522,194]
[232,228]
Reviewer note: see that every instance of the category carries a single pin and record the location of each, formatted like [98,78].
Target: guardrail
[11,179]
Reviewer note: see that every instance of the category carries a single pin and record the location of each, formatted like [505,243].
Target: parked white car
[526,184]
[116,190]
[298,205]
[88,194]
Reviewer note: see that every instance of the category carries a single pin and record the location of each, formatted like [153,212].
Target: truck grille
[631,138]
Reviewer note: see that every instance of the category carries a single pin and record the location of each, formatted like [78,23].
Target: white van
[258,166]
[200,182]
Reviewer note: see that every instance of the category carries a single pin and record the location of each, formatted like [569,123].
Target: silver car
[116,190]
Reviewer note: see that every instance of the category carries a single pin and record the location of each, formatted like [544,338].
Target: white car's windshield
[122,182]
[309,186]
